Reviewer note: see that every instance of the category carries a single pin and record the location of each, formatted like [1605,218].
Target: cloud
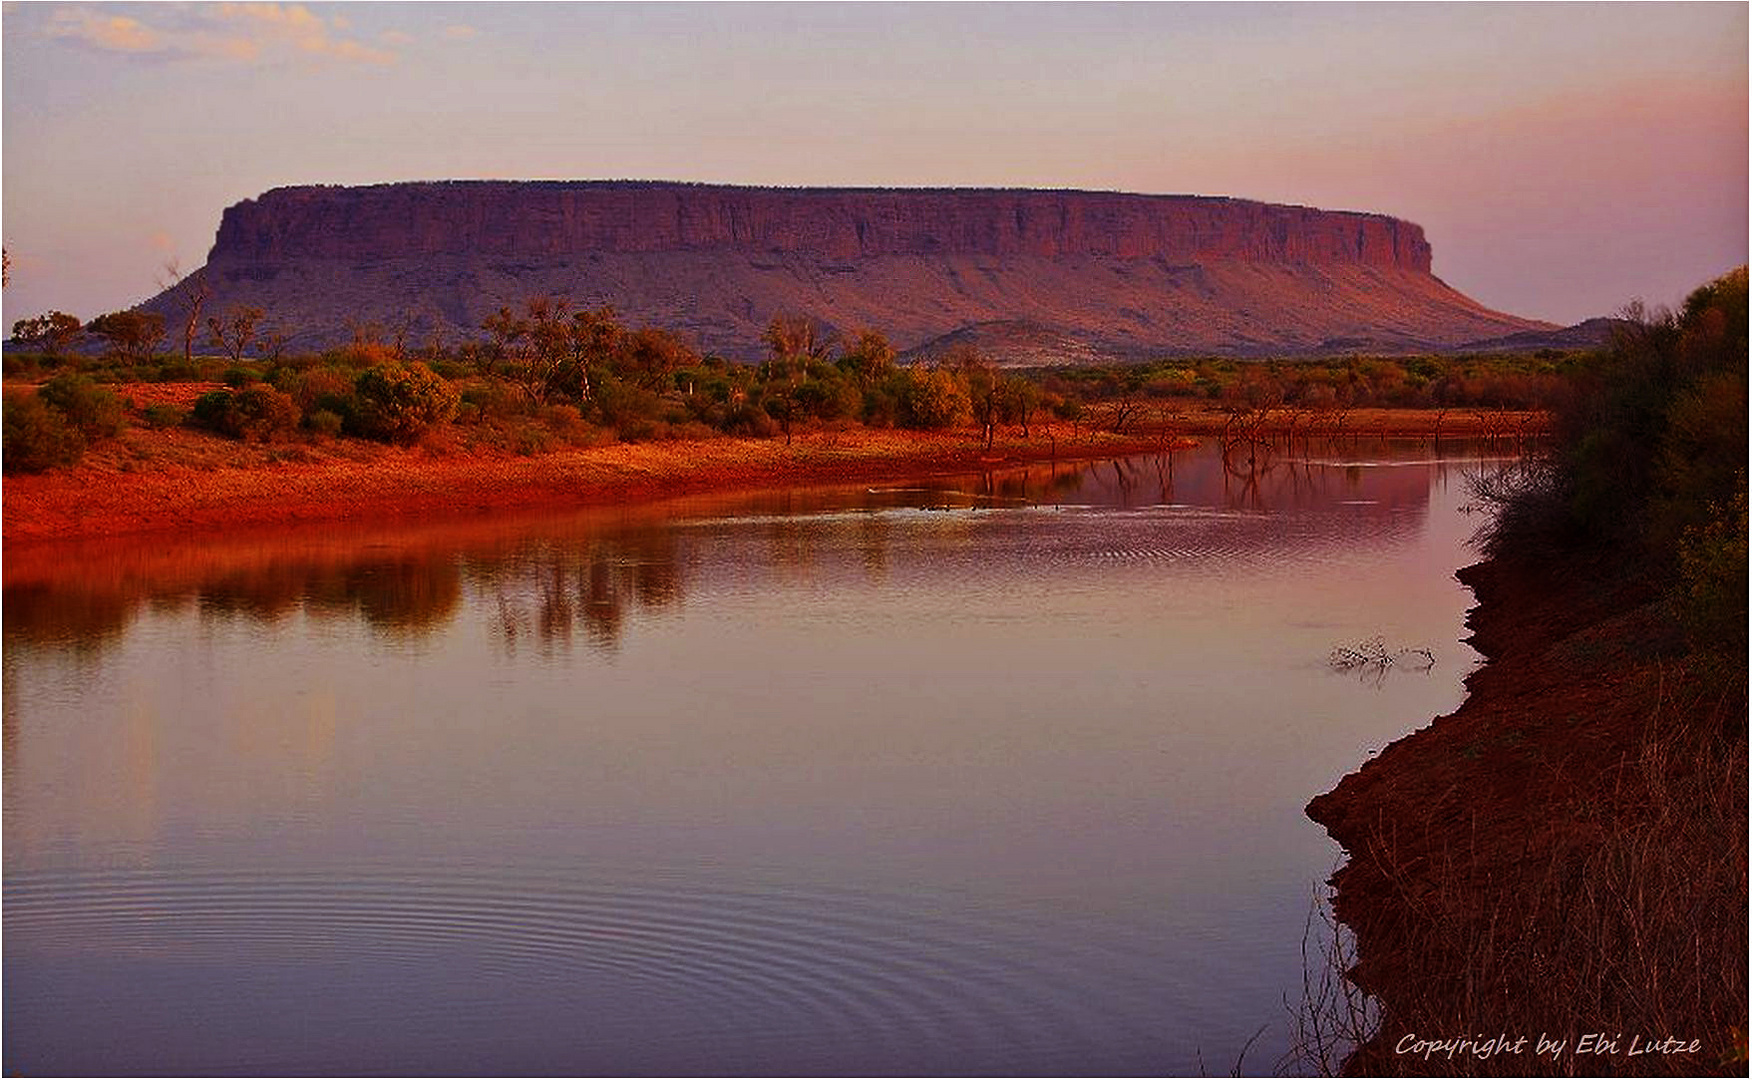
[460,31]
[229,31]
[395,38]
[297,26]
[109,33]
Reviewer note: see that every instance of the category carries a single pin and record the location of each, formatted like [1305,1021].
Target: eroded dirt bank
[1564,857]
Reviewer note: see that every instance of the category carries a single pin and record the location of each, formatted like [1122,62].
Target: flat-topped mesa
[1026,276]
[550,219]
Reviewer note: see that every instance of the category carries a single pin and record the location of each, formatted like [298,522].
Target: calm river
[1001,774]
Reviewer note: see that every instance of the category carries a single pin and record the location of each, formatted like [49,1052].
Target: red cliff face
[1029,276]
[553,219]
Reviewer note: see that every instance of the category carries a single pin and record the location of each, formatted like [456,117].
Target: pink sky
[1563,159]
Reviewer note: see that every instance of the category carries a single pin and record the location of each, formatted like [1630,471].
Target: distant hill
[1589,334]
[1031,276]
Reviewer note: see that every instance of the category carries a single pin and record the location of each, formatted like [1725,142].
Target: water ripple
[870,968]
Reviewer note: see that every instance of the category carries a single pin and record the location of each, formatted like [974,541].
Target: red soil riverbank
[1564,856]
[155,481]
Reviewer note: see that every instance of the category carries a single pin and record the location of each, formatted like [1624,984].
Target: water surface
[996,774]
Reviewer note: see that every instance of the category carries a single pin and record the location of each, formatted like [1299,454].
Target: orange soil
[1487,795]
[150,481]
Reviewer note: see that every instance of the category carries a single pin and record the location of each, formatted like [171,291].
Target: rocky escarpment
[1085,274]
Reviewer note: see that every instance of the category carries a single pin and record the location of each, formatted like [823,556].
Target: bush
[163,415]
[38,436]
[933,399]
[252,415]
[494,400]
[624,406]
[750,423]
[96,412]
[399,401]
[314,386]
[177,371]
[1712,573]
[325,423]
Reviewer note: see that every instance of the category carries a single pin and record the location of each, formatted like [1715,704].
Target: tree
[650,358]
[189,293]
[1017,400]
[550,350]
[232,332]
[50,333]
[932,398]
[868,358]
[981,378]
[133,334]
[792,341]
[796,337]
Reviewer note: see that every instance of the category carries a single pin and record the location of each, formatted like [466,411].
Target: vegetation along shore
[557,406]
[1552,880]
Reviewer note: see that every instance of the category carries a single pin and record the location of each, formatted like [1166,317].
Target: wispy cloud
[460,31]
[111,33]
[228,31]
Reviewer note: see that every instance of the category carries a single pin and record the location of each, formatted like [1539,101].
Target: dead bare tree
[190,293]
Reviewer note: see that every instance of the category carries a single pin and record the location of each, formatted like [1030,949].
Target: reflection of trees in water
[545,592]
[405,594]
[409,595]
[264,594]
[78,617]
[791,545]
[553,590]
[9,747]
[873,541]
[545,589]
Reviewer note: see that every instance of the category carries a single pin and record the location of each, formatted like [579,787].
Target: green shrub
[530,439]
[932,399]
[163,415]
[751,423]
[567,423]
[96,412]
[177,371]
[21,365]
[399,401]
[260,414]
[624,406]
[1712,574]
[325,423]
[314,387]
[237,378]
[38,436]
[495,400]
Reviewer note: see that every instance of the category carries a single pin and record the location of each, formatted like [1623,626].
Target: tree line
[546,373]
